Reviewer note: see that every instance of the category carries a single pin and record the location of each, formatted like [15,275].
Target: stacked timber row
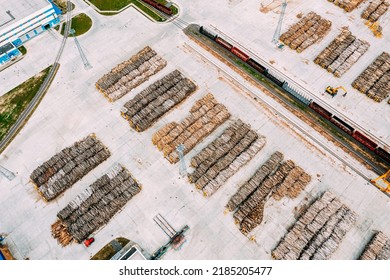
[223,157]
[205,116]
[64,169]
[375,10]
[347,5]
[157,99]
[309,30]
[374,81]
[130,73]
[275,178]
[94,207]
[319,231]
[343,52]
[378,248]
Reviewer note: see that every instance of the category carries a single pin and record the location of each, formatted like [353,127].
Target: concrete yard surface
[73,108]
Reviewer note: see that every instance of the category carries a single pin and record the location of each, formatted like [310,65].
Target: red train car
[223,43]
[322,111]
[364,140]
[240,54]
[159,6]
[260,68]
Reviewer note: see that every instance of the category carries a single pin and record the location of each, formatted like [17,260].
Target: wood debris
[378,248]
[375,10]
[347,5]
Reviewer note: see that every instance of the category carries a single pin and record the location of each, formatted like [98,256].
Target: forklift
[333,91]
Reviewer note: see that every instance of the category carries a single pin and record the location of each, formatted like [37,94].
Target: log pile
[347,5]
[374,81]
[274,178]
[223,157]
[318,232]
[61,171]
[205,116]
[378,248]
[375,10]
[95,206]
[309,30]
[343,52]
[157,99]
[130,73]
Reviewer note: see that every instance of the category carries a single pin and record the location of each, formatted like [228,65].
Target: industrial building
[22,20]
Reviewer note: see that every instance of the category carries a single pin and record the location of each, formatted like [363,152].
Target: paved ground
[73,108]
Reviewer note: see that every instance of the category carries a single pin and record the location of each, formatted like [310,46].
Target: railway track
[44,87]
[303,89]
[296,124]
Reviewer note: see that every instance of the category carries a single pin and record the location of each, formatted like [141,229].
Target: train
[159,7]
[347,128]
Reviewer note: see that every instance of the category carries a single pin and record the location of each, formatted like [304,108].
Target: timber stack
[309,30]
[61,171]
[274,178]
[95,206]
[157,99]
[347,5]
[374,81]
[205,116]
[223,157]
[375,10]
[130,73]
[343,52]
[318,232]
[378,248]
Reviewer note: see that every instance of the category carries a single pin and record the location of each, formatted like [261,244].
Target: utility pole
[87,65]
[276,37]
[183,168]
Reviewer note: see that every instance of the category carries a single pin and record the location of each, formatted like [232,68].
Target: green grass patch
[23,50]
[107,252]
[116,5]
[80,23]
[62,5]
[14,102]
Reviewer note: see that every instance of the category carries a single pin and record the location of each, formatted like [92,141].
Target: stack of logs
[94,207]
[319,231]
[347,5]
[343,52]
[374,81]
[307,31]
[375,10]
[378,248]
[273,177]
[129,74]
[223,157]
[157,99]
[65,168]
[205,116]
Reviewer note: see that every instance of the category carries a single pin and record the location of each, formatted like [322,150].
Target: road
[42,90]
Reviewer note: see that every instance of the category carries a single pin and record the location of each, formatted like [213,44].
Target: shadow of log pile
[347,5]
[65,168]
[318,232]
[223,157]
[129,74]
[378,248]
[274,178]
[374,81]
[309,30]
[156,100]
[205,116]
[95,206]
[343,52]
